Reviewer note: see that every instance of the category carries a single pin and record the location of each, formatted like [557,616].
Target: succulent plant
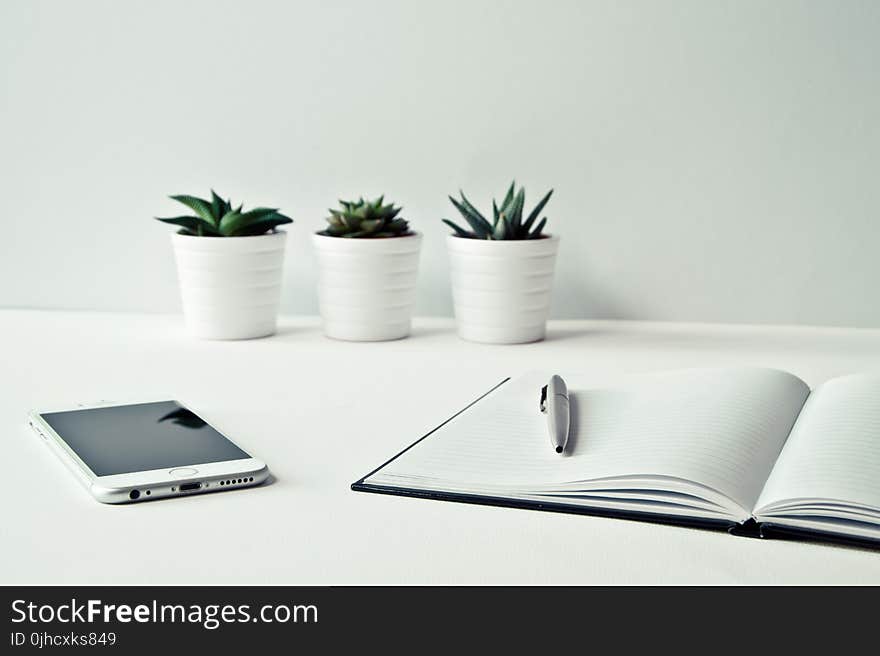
[507,222]
[217,218]
[366,219]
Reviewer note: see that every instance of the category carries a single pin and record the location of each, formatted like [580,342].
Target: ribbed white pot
[501,289]
[230,286]
[367,287]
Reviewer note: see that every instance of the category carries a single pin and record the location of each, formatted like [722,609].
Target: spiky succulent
[217,218]
[507,220]
[366,219]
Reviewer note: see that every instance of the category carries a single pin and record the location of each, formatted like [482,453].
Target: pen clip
[543,403]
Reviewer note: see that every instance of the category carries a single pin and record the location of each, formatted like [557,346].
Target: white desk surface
[322,413]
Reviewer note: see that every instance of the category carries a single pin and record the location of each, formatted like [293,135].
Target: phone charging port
[188,487]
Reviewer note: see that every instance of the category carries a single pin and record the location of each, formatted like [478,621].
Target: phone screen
[131,438]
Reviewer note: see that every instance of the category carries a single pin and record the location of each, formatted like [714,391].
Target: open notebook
[739,447]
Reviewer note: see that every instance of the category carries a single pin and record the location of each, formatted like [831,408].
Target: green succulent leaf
[473,210]
[458,230]
[480,226]
[335,231]
[502,229]
[537,211]
[198,205]
[515,214]
[229,222]
[507,223]
[536,233]
[371,225]
[366,219]
[218,218]
[397,226]
[192,225]
[264,225]
[508,197]
[234,221]
[218,207]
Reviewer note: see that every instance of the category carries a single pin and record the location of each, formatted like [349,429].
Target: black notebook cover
[750,528]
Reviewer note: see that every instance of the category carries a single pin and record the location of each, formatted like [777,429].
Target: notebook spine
[748,529]
[777,532]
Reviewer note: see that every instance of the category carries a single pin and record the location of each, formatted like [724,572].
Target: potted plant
[368,261]
[502,271]
[229,264]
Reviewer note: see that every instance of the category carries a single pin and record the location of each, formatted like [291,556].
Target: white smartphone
[146,451]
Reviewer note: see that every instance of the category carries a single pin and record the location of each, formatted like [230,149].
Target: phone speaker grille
[236,481]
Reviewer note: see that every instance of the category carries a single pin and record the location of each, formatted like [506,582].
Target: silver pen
[554,404]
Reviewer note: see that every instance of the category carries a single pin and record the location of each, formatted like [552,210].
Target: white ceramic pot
[230,286]
[367,287]
[501,289]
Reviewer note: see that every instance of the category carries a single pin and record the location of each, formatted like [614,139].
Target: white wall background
[712,160]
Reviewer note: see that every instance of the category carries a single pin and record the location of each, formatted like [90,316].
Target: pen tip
[558,449]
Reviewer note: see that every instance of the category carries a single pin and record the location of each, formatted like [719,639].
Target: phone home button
[183,472]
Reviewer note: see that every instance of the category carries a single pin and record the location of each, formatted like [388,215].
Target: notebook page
[721,428]
[834,449]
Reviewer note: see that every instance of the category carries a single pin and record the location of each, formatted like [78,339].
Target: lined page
[834,449]
[721,428]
